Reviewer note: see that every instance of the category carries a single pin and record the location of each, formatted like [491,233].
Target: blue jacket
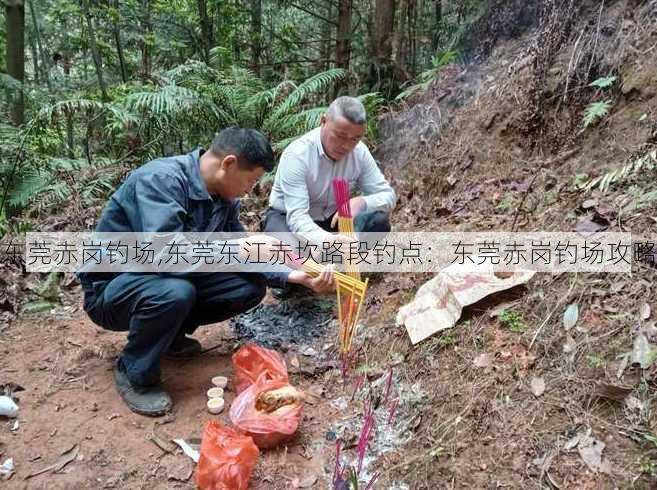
[166,195]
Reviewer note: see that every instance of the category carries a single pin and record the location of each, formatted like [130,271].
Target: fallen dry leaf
[633,403]
[499,309]
[570,316]
[308,481]
[612,392]
[572,442]
[625,359]
[590,450]
[537,386]
[483,361]
[589,203]
[645,311]
[178,467]
[642,354]
[64,459]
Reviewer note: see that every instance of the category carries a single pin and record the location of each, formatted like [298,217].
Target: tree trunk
[400,48]
[87,140]
[95,54]
[15,17]
[438,4]
[69,117]
[206,29]
[45,62]
[117,41]
[256,35]
[343,44]
[145,35]
[412,42]
[381,70]
[384,18]
[35,58]
[327,35]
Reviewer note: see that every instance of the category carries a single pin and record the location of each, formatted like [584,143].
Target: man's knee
[375,222]
[175,296]
[275,221]
[254,290]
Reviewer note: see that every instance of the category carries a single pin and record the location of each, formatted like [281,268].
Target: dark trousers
[377,221]
[154,309]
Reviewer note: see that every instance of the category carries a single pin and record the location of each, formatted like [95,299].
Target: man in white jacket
[302,198]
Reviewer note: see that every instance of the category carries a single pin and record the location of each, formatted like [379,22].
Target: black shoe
[144,400]
[183,347]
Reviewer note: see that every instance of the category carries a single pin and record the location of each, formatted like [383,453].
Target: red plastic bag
[251,361]
[227,459]
[267,430]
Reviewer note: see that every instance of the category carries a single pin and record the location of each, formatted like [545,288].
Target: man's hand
[357,205]
[322,284]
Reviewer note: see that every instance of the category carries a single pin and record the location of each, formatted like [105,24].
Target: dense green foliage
[112,84]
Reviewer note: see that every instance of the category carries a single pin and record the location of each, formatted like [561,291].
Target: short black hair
[250,146]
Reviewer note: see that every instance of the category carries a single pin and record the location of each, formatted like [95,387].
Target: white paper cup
[215,392]
[215,405]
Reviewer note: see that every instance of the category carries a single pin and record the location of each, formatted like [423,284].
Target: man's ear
[323,119]
[228,162]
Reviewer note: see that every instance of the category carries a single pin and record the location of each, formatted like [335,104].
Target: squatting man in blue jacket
[197,192]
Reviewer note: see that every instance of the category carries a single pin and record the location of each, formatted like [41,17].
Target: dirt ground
[468,155]
[64,365]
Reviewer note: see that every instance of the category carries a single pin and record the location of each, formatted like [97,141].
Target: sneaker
[152,401]
[183,347]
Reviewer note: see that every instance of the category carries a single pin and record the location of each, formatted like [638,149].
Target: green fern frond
[167,100]
[27,185]
[65,164]
[298,123]
[317,83]
[262,101]
[10,137]
[242,77]
[121,120]
[595,111]
[54,195]
[404,94]
[99,187]
[70,106]
[641,202]
[646,162]
[372,102]
[282,144]
[221,56]
[191,70]
[9,83]
[443,58]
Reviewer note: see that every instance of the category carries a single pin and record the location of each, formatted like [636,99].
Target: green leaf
[603,82]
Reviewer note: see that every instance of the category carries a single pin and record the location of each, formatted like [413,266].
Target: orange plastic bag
[267,430]
[251,361]
[227,459]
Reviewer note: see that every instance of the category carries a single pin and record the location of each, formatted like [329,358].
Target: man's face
[240,181]
[339,136]
[231,181]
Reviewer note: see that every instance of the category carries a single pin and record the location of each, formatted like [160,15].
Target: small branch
[313,14]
